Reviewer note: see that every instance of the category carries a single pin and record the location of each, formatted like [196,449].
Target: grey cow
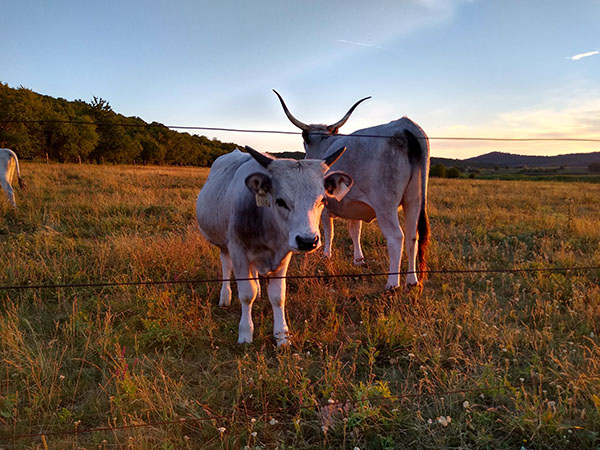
[259,210]
[8,164]
[390,167]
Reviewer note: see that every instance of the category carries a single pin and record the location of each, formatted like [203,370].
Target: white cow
[390,167]
[8,163]
[258,210]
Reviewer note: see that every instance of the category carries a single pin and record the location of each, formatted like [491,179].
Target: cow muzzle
[307,243]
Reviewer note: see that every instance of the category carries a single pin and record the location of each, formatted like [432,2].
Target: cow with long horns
[258,210]
[390,167]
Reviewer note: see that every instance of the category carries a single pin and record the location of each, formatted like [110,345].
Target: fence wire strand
[247,130]
[293,277]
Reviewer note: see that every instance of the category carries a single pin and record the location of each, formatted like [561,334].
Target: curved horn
[334,156]
[260,158]
[287,112]
[333,128]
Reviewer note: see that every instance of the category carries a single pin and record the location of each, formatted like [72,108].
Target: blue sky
[497,68]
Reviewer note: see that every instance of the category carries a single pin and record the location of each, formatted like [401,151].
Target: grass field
[486,360]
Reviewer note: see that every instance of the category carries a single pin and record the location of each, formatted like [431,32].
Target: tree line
[38,127]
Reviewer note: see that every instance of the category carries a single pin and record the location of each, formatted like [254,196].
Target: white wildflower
[221,430]
[273,421]
[466,404]
[445,421]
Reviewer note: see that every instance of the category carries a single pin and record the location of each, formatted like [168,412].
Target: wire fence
[294,277]
[263,131]
[333,405]
[77,430]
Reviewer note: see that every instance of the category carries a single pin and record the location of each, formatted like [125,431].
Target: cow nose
[306,244]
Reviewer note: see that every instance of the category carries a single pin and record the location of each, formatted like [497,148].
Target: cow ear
[337,184]
[334,156]
[260,185]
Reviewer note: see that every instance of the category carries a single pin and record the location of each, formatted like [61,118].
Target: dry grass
[366,369]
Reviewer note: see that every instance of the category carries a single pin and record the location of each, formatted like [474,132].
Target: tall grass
[477,361]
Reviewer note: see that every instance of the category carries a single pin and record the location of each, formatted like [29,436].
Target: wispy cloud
[359,44]
[583,55]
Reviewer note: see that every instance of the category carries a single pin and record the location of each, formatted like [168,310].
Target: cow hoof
[244,339]
[225,297]
[360,262]
[283,339]
[391,288]
[283,343]
[415,288]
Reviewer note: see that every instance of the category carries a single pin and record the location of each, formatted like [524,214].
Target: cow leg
[9,193]
[247,289]
[354,227]
[390,227]
[411,217]
[277,290]
[225,298]
[255,276]
[328,232]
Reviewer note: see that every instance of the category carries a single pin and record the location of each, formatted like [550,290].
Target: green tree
[453,172]
[438,171]
[594,167]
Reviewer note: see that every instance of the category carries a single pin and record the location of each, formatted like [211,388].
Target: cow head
[296,192]
[315,135]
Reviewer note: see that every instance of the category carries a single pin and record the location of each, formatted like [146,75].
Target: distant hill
[500,159]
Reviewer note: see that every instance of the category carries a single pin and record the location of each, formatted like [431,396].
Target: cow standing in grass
[8,163]
[259,210]
[390,167]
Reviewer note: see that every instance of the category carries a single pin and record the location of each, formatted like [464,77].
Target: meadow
[477,361]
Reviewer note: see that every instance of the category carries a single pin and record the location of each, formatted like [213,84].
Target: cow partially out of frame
[258,210]
[8,164]
[390,167]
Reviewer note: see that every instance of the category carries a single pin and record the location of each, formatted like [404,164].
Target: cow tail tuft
[424,233]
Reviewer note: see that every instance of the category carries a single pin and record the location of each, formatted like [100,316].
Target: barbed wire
[293,277]
[263,131]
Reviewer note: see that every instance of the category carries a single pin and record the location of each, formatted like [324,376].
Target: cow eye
[282,203]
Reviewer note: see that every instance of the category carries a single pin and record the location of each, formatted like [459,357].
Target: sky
[459,68]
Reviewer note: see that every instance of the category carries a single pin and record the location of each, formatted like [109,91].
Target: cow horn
[334,156]
[333,128]
[260,158]
[295,121]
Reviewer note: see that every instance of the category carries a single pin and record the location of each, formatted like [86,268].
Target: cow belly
[352,209]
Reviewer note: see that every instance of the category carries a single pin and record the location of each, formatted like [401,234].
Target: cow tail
[21,182]
[423,229]
[424,233]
